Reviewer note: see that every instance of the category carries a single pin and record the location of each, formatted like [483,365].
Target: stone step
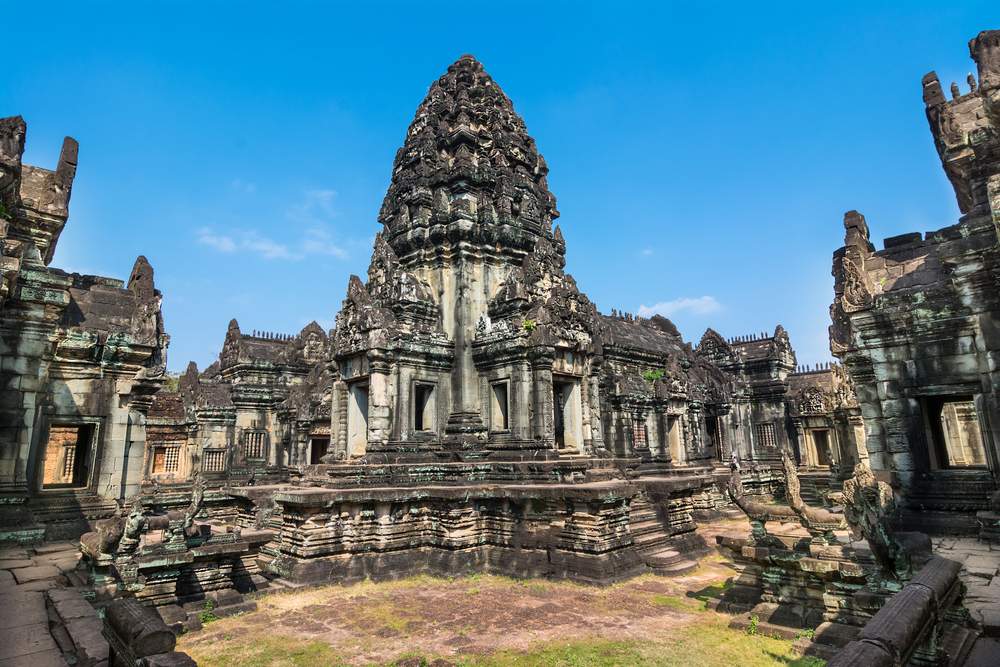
[645,525]
[675,569]
[601,474]
[650,541]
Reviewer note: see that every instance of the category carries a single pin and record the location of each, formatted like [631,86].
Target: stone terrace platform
[586,520]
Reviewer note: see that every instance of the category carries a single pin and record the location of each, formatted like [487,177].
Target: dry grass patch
[487,621]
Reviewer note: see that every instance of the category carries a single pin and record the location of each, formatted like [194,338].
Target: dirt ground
[467,620]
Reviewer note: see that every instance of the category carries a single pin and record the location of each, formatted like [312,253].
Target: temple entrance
[567,418]
[357,419]
[424,411]
[714,435]
[821,447]
[955,437]
[318,448]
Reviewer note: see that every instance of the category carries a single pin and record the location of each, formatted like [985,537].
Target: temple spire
[467,157]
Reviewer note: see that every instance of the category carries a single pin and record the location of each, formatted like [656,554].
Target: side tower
[81,356]
[917,324]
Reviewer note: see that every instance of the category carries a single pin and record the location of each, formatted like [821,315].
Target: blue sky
[702,155]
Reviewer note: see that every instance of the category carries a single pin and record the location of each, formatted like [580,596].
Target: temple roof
[467,155]
[657,335]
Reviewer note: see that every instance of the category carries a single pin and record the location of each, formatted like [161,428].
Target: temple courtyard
[492,620]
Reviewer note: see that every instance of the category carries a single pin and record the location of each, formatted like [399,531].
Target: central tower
[467,202]
[451,343]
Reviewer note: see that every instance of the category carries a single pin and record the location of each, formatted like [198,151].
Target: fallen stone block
[91,646]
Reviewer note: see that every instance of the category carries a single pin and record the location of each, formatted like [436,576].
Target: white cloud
[646,252]
[319,242]
[315,208]
[702,305]
[221,243]
[267,248]
[310,214]
[250,241]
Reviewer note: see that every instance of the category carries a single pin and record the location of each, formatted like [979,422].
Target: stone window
[214,460]
[166,458]
[423,406]
[66,457]
[255,444]
[500,406]
[955,437]
[765,435]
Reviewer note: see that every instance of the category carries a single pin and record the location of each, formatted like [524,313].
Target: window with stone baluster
[765,435]
[254,444]
[214,460]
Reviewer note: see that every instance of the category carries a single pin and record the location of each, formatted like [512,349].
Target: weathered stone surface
[17,610]
[25,640]
[47,658]
[91,646]
[35,573]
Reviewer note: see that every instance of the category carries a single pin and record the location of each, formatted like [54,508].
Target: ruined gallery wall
[917,324]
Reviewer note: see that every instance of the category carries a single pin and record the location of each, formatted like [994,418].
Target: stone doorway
[357,419]
[955,437]
[567,418]
[821,447]
[318,448]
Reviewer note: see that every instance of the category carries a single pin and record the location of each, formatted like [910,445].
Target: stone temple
[473,411]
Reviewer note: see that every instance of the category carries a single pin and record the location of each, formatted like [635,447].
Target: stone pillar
[543,427]
[805,453]
[338,416]
[522,409]
[693,443]
[593,407]
[466,418]
[661,446]
[379,397]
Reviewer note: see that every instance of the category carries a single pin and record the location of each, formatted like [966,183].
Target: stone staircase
[651,536]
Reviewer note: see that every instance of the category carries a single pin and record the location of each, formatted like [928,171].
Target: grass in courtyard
[709,643]
[490,621]
[268,650]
